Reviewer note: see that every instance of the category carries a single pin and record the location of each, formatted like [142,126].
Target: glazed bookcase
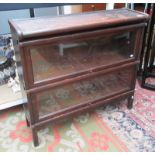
[74,63]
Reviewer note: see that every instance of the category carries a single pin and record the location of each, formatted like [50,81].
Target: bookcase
[75,63]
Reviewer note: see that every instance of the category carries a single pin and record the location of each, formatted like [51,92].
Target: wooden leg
[27,122]
[130,102]
[35,137]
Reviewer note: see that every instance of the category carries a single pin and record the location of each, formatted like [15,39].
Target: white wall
[5,15]
[15,14]
[109,6]
[51,11]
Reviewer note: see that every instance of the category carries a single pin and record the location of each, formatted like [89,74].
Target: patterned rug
[113,128]
[7,64]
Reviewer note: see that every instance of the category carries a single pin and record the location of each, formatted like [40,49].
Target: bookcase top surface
[48,26]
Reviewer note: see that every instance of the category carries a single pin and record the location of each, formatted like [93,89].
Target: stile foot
[35,137]
[27,122]
[130,102]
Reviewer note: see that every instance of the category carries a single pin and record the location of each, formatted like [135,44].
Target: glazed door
[68,57]
[76,94]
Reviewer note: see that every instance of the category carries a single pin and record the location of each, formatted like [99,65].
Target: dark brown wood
[130,102]
[27,122]
[35,136]
[93,7]
[64,38]
[43,27]
[70,67]
[119,5]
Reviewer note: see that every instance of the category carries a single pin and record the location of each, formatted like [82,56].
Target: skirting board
[11,104]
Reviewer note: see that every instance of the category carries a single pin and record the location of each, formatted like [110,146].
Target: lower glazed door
[55,100]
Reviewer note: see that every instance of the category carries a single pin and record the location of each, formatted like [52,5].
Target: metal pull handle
[93,7]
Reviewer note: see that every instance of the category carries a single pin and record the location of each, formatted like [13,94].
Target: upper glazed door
[73,55]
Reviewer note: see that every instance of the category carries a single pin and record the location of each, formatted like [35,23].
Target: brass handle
[93,7]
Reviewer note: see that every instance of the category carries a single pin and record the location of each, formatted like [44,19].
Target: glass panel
[51,61]
[61,97]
